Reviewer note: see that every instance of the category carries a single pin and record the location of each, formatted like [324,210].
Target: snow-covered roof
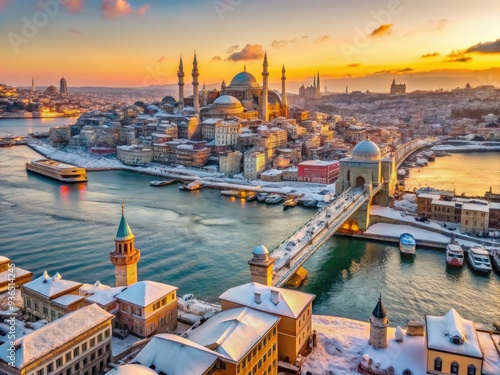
[86,289]
[443,203]
[144,293]
[491,364]
[175,355]
[4,259]
[106,296]
[132,369]
[291,303]
[19,272]
[51,286]
[475,207]
[272,172]
[429,196]
[50,337]
[318,162]
[68,299]
[441,328]
[234,332]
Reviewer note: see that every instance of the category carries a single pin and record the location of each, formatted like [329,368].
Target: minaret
[223,87]
[318,86]
[32,85]
[261,266]
[378,326]
[284,101]
[63,87]
[180,75]
[125,256]
[265,89]
[195,75]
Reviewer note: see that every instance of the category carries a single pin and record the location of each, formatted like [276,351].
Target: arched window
[471,370]
[454,368]
[438,364]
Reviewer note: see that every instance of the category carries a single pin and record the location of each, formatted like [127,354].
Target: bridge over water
[295,250]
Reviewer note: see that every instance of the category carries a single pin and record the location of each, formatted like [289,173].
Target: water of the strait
[201,242]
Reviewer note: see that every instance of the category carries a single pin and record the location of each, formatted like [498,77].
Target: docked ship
[191,186]
[479,259]
[162,182]
[407,244]
[454,255]
[57,170]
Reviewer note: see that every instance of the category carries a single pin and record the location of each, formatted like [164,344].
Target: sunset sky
[361,43]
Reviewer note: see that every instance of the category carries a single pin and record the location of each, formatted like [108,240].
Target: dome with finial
[379,311]
[366,151]
[244,79]
[260,250]
[124,232]
[51,90]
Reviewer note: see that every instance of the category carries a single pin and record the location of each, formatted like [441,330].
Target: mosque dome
[227,100]
[260,250]
[133,369]
[366,150]
[51,90]
[226,105]
[244,79]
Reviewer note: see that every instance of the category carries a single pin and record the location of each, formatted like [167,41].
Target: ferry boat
[495,260]
[407,244]
[163,182]
[454,255]
[252,195]
[57,170]
[274,198]
[191,186]
[261,197]
[479,259]
[229,193]
[290,202]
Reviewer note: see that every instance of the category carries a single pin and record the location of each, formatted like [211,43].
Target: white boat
[191,186]
[479,259]
[495,259]
[229,193]
[261,197]
[162,183]
[407,244]
[454,255]
[57,170]
[274,198]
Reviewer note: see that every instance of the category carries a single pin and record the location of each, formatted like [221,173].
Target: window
[471,370]
[76,352]
[454,368]
[50,367]
[223,365]
[68,357]
[438,364]
[84,346]
[106,334]
[77,366]
[99,337]
[92,342]
[39,372]
[59,362]
[92,356]
[45,310]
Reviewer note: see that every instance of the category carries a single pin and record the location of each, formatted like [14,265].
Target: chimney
[275,296]
[257,297]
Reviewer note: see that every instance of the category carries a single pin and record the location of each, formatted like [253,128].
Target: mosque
[244,98]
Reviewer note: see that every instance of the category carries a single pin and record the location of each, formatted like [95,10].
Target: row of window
[454,367]
[263,359]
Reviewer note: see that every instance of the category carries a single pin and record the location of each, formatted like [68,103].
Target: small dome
[260,250]
[366,150]
[227,100]
[51,90]
[244,79]
[133,369]
[169,99]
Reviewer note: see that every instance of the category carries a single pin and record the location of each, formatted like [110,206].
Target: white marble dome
[366,150]
[227,100]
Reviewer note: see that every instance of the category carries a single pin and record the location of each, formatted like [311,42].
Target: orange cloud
[216,58]
[321,39]
[487,47]
[112,9]
[355,65]
[382,29]
[249,52]
[433,54]
[73,6]
[458,56]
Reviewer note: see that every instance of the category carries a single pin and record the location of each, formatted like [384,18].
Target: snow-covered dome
[132,369]
[244,79]
[366,150]
[260,250]
[227,100]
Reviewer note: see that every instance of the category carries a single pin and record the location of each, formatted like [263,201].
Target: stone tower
[261,266]
[265,89]
[378,326]
[125,256]
[195,75]
[63,87]
[284,102]
[180,75]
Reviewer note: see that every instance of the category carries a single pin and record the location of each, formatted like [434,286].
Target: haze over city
[117,43]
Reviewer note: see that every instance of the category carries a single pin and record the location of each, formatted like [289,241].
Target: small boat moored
[407,244]
[290,202]
[274,198]
[454,255]
[479,259]
[162,182]
[195,185]
[252,195]
[495,259]
[261,197]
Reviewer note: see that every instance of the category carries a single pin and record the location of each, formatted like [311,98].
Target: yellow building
[50,298]
[293,307]
[453,346]
[11,274]
[475,218]
[77,343]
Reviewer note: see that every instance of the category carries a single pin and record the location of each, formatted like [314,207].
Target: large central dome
[366,150]
[244,79]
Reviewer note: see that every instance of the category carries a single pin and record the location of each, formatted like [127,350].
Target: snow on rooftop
[105,297]
[234,332]
[50,337]
[144,293]
[86,289]
[4,259]
[441,328]
[491,364]
[19,272]
[291,302]
[175,355]
[443,203]
[51,286]
[318,162]
[475,207]
[68,299]
[272,172]
[132,369]
[429,196]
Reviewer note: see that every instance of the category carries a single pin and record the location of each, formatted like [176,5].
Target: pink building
[320,171]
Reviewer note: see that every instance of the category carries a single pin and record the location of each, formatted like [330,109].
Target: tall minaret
[318,86]
[284,101]
[195,75]
[180,74]
[32,85]
[125,256]
[265,89]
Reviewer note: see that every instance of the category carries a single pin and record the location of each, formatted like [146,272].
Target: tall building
[63,87]
[378,326]
[180,75]
[284,101]
[265,89]
[195,74]
[125,256]
[32,85]
[397,88]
